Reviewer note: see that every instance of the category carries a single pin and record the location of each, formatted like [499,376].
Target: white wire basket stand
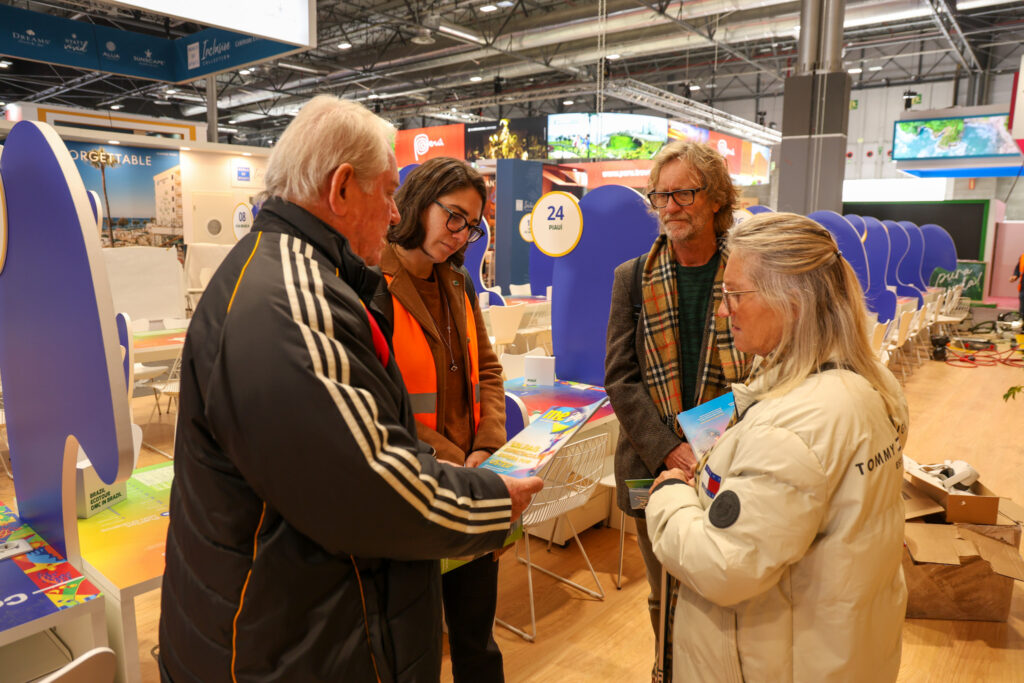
[568,477]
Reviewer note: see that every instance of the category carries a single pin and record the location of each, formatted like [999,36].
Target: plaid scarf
[721,364]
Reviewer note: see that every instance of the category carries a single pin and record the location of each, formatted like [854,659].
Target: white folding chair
[519,290]
[505,325]
[98,665]
[169,387]
[568,477]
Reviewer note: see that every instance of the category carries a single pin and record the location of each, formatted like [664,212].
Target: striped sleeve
[350,476]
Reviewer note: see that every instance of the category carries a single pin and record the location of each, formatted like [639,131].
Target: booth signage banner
[139,193]
[525,231]
[970,274]
[292,21]
[416,145]
[242,220]
[557,223]
[55,40]
[522,138]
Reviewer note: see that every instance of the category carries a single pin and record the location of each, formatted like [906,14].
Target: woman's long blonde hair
[796,266]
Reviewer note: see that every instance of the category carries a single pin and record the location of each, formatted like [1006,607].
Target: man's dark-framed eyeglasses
[456,223]
[659,200]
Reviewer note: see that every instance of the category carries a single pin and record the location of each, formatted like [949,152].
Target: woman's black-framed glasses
[659,200]
[726,294]
[456,223]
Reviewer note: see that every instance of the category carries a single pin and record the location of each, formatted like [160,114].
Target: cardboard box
[91,494]
[980,506]
[961,571]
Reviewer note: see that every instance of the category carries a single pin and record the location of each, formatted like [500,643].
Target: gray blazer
[644,440]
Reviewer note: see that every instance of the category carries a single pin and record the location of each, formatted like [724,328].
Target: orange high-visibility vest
[415,360]
[1020,269]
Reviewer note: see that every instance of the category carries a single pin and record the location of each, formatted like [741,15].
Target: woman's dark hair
[428,181]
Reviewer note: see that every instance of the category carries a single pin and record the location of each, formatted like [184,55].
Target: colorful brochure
[639,492]
[529,450]
[704,424]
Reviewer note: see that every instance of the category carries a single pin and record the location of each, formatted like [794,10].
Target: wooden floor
[955,413]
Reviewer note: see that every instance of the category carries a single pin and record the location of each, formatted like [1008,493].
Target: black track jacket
[306,519]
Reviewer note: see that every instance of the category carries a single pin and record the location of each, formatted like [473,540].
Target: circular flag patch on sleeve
[725,510]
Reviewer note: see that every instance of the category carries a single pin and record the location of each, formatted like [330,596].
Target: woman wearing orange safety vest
[452,374]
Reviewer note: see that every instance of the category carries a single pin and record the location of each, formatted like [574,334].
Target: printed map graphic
[972,136]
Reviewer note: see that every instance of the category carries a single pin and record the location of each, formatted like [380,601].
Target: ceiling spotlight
[874,68]
[344,46]
[489,8]
[506,3]
[423,36]
[170,91]
[694,87]
[372,96]
[185,149]
[4,63]
[113,142]
[246,154]
[476,79]
[116,106]
[614,56]
[568,103]
[245,72]
[455,108]
[232,120]
[854,70]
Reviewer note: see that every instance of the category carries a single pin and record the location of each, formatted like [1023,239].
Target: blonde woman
[787,540]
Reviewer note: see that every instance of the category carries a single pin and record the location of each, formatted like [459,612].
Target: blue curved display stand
[541,268]
[60,359]
[757,208]
[939,250]
[848,239]
[473,260]
[899,244]
[910,268]
[616,227]
[879,298]
[405,171]
[857,222]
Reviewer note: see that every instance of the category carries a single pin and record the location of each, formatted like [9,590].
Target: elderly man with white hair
[306,518]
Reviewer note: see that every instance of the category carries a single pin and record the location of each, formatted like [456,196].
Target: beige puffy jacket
[791,572]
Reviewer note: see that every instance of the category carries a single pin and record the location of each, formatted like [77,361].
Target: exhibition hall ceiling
[427,62]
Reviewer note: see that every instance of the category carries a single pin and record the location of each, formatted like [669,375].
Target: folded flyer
[704,424]
[529,450]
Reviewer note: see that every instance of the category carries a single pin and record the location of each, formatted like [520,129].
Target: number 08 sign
[557,223]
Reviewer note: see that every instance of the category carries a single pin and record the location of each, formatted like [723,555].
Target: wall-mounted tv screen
[956,137]
[568,136]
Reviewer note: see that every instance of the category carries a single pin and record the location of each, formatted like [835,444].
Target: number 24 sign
[556,223]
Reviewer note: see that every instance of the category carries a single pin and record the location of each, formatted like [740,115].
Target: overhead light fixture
[423,36]
[614,56]
[460,33]
[506,3]
[344,46]
[299,67]
[185,149]
[568,103]
[246,154]
[113,142]
[455,108]
[694,87]
[489,8]
[4,63]
[116,106]
[225,129]
[476,79]
[372,96]
[3,104]
[854,70]
[232,120]
[874,68]
[244,72]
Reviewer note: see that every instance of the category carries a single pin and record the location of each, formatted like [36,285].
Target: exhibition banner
[416,145]
[605,136]
[140,189]
[629,173]
[55,40]
[524,138]
[730,148]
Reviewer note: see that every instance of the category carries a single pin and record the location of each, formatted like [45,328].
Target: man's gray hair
[327,133]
